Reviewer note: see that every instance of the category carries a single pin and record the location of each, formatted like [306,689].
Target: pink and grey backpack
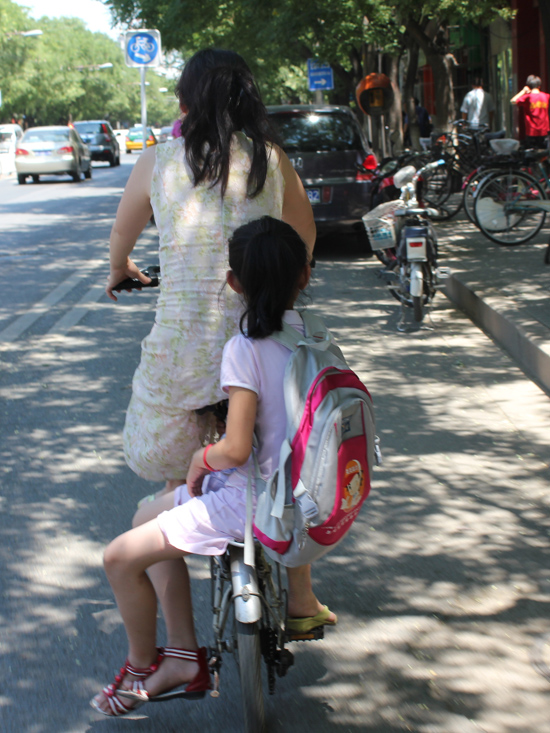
[325,463]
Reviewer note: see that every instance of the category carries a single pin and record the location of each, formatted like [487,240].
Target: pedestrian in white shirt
[477,107]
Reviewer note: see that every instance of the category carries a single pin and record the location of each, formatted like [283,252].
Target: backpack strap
[316,334]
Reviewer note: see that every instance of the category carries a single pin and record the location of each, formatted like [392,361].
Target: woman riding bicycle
[225,170]
[269,267]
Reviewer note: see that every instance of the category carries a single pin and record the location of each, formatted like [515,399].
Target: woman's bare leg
[302,601]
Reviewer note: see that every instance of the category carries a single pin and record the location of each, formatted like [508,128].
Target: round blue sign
[142,48]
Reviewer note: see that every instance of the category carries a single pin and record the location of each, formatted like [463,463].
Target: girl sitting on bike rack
[269,268]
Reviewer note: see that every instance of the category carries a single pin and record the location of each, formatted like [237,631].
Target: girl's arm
[232,450]
[297,210]
[134,211]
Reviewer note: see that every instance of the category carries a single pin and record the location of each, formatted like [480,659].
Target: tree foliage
[274,35]
[55,77]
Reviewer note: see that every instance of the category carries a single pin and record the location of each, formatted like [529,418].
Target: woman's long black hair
[268,258]
[221,98]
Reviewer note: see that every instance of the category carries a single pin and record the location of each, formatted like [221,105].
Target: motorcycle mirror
[404,176]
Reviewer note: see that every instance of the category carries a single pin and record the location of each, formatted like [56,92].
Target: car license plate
[314,195]
[43,152]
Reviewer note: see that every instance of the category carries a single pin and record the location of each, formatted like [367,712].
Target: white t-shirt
[259,365]
[477,105]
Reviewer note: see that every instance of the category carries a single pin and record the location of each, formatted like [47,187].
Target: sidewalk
[504,290]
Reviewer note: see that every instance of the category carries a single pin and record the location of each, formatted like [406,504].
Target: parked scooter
[403,238]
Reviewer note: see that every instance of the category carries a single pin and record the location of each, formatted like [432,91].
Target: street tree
[70,73]
[348,34]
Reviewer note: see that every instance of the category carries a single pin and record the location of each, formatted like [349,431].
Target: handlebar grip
[134,284]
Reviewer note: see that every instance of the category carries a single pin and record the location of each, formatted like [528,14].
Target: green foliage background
[277,36]
[39,77]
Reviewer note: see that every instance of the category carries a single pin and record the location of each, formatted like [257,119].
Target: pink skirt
[204,525]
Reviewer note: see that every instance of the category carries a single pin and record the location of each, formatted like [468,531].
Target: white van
[10,135]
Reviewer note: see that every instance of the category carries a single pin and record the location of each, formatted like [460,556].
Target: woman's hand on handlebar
[118,274]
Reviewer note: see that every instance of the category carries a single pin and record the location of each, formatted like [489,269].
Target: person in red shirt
[535,107]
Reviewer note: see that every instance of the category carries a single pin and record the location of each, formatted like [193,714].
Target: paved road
[442,587]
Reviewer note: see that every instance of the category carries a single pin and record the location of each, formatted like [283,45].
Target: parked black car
[325,145]
[100,138]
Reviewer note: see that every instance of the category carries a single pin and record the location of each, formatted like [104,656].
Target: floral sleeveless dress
[196,312]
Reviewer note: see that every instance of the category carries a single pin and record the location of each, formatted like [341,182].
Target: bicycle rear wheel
[250,673]
[502,207]
[441,189]
[474,184]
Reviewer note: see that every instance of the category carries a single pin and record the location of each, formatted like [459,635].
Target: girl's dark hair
[268,258]
[221,97]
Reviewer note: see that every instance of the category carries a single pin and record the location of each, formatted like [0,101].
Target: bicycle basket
[382,226]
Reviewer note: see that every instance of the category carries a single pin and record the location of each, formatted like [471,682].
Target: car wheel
[75,175]
[21,179]
[129,152]
[118,159]
[112,160]
[35,179]
[88,172]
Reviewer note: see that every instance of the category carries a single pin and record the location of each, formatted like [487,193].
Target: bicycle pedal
[313,635]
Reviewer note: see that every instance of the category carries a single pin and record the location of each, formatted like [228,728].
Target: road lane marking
[77,312]
[21,324]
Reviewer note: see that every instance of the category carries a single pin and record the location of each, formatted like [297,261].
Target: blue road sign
[319,76]
[142,48]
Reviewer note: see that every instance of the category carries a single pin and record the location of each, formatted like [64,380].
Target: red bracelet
[204,453]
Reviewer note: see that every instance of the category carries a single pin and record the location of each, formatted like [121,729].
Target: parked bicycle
[509,203]
[462,150]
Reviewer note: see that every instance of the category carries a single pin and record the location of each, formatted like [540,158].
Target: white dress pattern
[180,362]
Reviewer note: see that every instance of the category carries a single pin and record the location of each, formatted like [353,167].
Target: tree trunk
[442,63]
[395,114]
[442,66]
[408,97]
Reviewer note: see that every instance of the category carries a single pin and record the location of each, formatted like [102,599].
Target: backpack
[325,463]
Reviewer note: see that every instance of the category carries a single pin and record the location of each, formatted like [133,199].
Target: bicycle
[249,602]
[510,205]
[462,150]
[253,592]
[506,155]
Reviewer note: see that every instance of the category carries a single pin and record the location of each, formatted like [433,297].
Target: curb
[515,339]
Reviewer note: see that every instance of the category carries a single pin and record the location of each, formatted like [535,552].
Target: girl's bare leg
[170,579]
[126,561]
[302,601]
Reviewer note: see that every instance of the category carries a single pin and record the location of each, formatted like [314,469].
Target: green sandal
[303,625]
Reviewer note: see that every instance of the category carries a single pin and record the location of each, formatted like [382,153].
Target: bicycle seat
[504,146]
[499,135]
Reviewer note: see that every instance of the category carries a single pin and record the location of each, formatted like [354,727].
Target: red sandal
[193,690]
[112,691]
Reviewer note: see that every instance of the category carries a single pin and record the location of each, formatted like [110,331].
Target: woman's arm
[297,210]
[134,211]
[232,450]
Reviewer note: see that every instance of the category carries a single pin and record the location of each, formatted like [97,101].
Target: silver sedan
[56,150]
